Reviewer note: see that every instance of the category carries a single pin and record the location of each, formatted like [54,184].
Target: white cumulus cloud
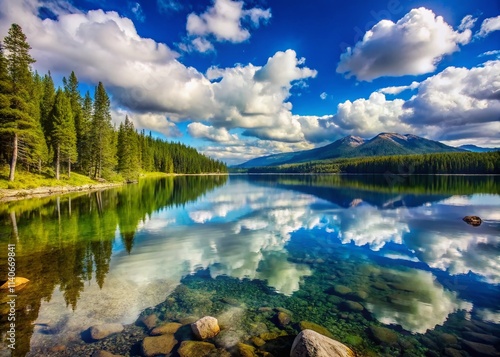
[413,45]
[223,21]
[489,25]
[458,99]
[398,89]
[221,135]
[368,117]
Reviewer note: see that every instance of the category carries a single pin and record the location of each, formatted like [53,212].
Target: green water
[350,253]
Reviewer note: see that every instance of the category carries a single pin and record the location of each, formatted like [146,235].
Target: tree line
[438,163]
[42,127]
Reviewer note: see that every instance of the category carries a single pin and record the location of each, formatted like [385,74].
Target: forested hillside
[49,130]
[443,163]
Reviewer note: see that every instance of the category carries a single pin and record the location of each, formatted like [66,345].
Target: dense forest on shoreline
[48,130]
[441,163]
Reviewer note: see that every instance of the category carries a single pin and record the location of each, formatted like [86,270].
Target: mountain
[475,148]
[354,146]
[334,150]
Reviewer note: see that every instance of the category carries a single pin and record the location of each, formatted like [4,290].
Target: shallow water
[350,253]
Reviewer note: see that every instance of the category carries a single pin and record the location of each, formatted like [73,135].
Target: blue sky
[240,79]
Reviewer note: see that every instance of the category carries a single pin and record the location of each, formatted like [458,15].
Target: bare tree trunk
[39,166]
[69,167]
[57,162]
[14,159]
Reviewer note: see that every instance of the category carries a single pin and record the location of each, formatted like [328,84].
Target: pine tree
[17,124]
[5,92]
[128,151]
[46,104]
[71,89]
[85,148]
[102,135]
[63,136]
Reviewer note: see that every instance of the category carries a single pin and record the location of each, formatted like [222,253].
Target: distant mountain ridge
[475,148]
[353,146]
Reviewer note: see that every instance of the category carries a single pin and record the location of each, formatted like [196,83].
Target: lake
[384,263]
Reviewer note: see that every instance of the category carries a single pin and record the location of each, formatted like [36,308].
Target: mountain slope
[354,146]
[475,148]
[339,148]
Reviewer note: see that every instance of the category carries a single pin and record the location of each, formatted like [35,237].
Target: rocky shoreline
[149,337]
[7,195]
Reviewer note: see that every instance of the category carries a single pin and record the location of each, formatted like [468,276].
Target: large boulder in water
[473,220]
[98,332]
[158,345]
[206,327]
[312,344]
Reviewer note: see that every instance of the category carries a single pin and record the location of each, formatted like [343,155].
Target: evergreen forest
[459,163]
[51,131]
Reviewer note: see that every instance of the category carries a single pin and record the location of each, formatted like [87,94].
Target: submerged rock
[311,344]
[170,327]
[307,325]
[352,306]
[341,289]
[98,332]
[473,220]
[283,318]
[195,349]
[245,350]
[158,345]
[206,327]
[150,321]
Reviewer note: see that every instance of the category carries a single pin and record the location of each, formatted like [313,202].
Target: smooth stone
[341,289]
[158,345]
[257,341]
[98,332]
[352,306]
[480,349]
[227,339]
[359,295]
[150,321]
[309,343]
[307,325]
[104,354]
[167,328]
[283,318]
[58,348]
[206,327]
[244,350]
[473,220]
[195,349]
[384,335]
[268,336]
[18,280]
